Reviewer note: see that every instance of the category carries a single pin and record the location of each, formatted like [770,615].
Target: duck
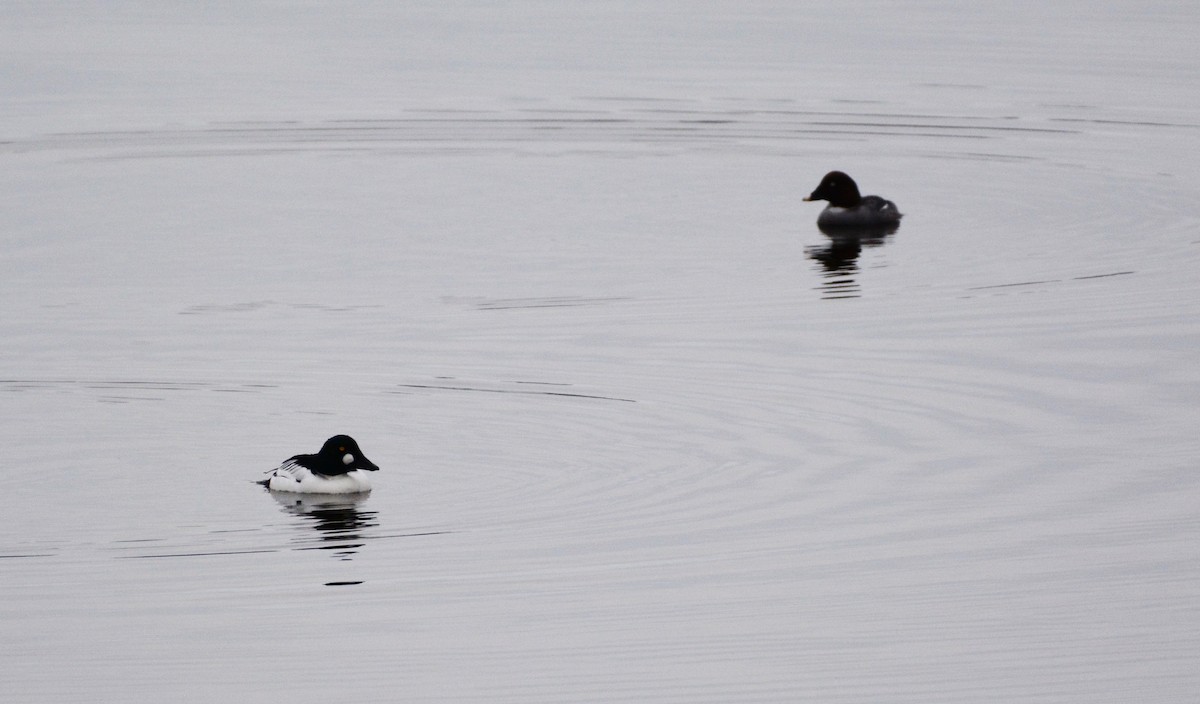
[848,209]
[339,468]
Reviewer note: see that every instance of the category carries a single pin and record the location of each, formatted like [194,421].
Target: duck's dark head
[837,188]
[342,451]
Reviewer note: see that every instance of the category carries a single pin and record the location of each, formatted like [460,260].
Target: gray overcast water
[645,433]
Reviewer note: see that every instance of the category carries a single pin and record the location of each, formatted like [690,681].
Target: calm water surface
[646,434]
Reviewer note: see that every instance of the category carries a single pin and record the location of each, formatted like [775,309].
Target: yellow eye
[341,449]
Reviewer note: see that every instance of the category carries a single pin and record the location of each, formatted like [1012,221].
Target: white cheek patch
[347,458]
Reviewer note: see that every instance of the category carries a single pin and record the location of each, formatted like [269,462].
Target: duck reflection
[839,258]
[337,519]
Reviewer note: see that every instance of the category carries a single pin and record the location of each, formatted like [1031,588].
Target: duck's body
[294,477]
[339,468]
[848,209]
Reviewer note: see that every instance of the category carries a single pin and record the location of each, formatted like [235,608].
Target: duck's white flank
[291,476]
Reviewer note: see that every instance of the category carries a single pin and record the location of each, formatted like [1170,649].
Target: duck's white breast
[294,478]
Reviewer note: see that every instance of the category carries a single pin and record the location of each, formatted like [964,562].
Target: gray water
[646,434]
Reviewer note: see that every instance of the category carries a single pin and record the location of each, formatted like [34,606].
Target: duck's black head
[339,455]
[837,188]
